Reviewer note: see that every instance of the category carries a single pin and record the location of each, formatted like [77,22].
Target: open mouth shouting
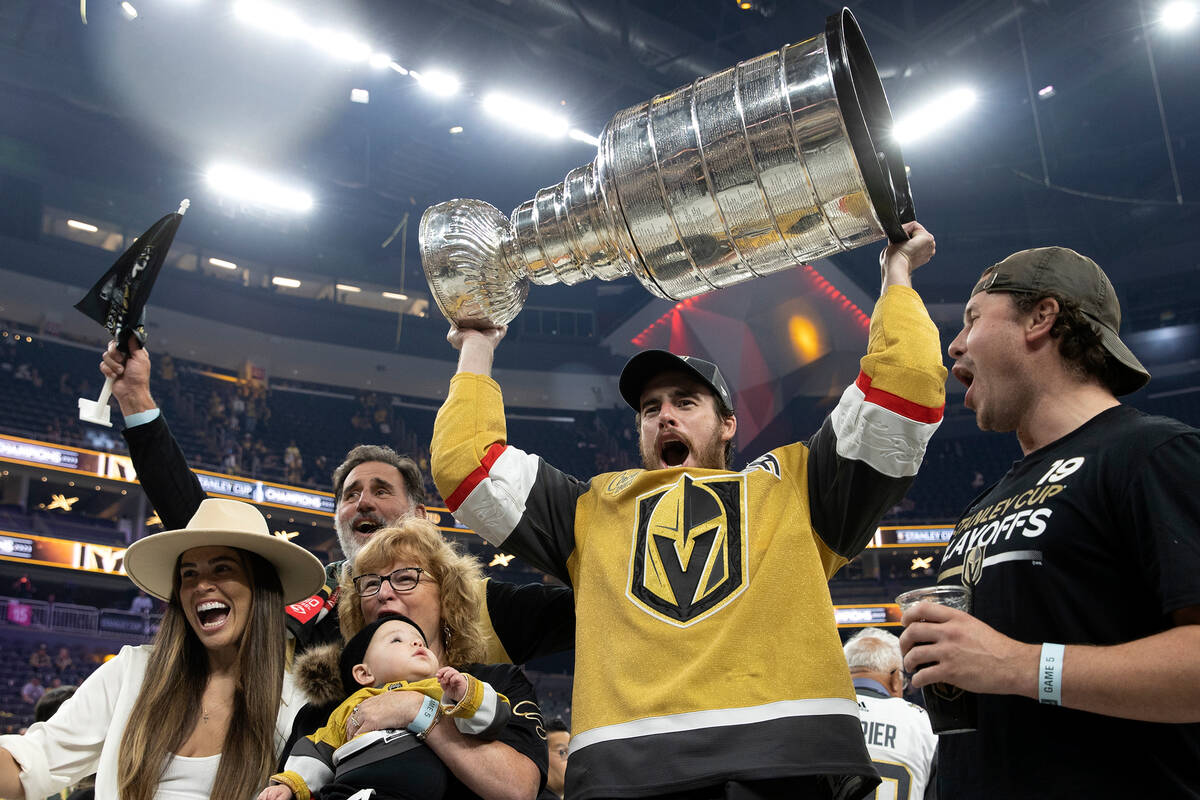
[966,378]
[366,524]
[212,615]
[673,451]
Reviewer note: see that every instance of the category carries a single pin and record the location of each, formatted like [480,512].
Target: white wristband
[1050,674]
[426,716]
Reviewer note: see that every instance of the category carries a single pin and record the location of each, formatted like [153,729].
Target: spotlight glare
[524,115]
[256,189]
[271,18]
[436,82]
[129,10]
[340,45]
[81,226]
[396,67]
[1177,16]
[935,114]
[584,136]
[1046,92]
[379,60]
[360,96]
[456,129]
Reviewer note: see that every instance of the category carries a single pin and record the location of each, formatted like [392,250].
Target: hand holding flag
[118,300]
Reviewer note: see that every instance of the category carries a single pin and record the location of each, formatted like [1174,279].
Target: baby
[390,654]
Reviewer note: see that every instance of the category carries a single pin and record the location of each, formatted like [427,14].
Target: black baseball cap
[1063,272]
[648,364]
[356,649]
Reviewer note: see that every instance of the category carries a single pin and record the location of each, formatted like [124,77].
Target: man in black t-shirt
[1083,642]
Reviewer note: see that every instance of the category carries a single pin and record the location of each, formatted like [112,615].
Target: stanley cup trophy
[780,160]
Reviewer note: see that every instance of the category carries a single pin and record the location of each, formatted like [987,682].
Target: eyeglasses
[402,580]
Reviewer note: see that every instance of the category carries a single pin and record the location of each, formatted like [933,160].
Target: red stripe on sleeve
[896,403]
[468,485]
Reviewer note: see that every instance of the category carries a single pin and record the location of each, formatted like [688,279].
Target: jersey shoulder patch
[766,463]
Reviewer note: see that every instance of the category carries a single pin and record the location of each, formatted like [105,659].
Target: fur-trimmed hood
[316,673]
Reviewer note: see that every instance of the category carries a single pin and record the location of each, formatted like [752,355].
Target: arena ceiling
[130,112]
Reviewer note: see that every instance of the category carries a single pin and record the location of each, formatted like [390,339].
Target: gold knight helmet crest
[689,549]
[972,571]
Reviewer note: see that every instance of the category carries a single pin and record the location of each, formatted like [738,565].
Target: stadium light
[1046,92]
[270,17]
[935,114]
[129,10]
[360,96]
[437,82]
[524,115]
[81,226]
[340,45]
[222,263]
[347,287]
[1177,16]
[290,283]
[394,295]
[251,187]
[396,67]
[379,60]
[584,136]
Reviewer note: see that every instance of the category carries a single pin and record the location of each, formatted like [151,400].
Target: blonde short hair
[459,578]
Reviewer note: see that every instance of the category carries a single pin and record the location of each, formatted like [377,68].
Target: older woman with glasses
[411,570]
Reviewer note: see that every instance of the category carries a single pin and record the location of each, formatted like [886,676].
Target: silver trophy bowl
[783,159]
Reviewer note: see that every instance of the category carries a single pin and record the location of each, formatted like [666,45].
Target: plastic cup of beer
[951,709]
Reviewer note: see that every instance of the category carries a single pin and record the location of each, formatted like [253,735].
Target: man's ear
[728,427]
[362,673]
[420,512]
[1041,319]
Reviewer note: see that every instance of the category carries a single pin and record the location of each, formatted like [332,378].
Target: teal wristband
[1050,674]
[425,717]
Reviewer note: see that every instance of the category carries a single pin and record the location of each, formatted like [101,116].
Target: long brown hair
[167,708]
[458,576]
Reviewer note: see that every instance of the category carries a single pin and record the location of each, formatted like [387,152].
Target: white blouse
[84,735]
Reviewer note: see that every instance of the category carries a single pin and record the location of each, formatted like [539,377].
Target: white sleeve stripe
[887,442]
[315,772]
[482,719]
[497,503]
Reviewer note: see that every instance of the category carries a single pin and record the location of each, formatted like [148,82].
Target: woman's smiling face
[216,595]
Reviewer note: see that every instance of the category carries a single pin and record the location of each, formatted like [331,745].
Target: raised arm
[504,494]
[476,347]
[162,470]
[866,453]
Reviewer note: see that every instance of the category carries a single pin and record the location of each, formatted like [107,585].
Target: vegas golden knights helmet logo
[689,552]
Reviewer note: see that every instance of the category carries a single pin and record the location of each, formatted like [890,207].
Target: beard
[706,454]
[350,540]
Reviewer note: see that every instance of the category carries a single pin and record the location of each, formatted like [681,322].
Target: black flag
[118,300]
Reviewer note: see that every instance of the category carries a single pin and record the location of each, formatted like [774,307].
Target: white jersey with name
[901,743]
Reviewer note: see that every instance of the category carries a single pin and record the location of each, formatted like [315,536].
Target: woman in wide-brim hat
[203,711]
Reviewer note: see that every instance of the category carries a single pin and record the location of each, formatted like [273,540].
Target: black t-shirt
[1090,540]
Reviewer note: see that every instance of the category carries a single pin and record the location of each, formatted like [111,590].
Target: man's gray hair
[874,650]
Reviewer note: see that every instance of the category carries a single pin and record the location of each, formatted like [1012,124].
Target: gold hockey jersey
[706,649]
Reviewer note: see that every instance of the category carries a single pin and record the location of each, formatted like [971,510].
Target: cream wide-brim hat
[150,562]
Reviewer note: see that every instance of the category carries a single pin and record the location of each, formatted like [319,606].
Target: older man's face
[374,496]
